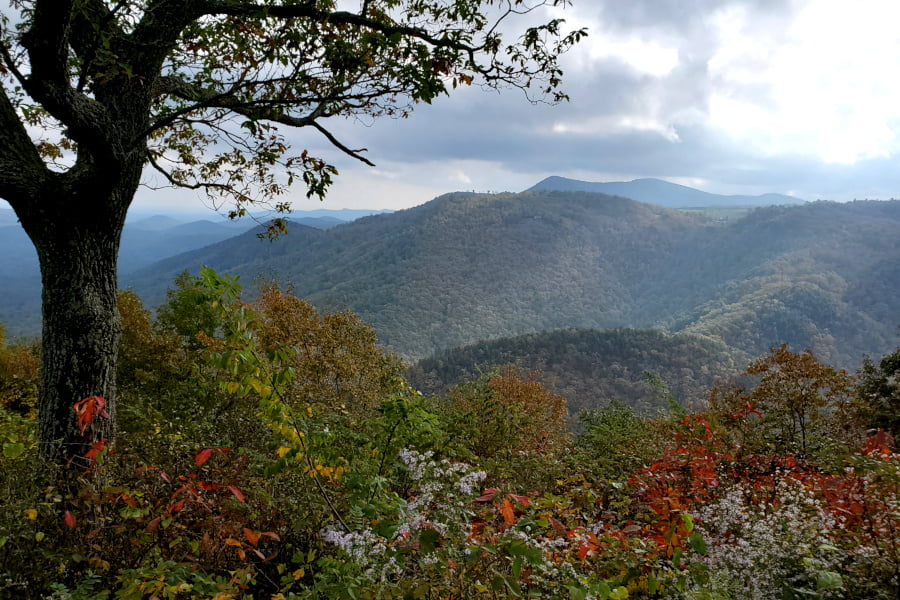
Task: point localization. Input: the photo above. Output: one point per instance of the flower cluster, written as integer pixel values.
(440, 502)
(762, 543)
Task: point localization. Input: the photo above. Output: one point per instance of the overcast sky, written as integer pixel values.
(799, 97)
(792, 96)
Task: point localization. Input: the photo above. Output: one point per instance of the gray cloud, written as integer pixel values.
(631, 114)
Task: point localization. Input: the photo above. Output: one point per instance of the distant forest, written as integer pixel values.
(466, 267)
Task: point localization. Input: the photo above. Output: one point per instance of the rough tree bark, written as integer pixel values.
(78, 249)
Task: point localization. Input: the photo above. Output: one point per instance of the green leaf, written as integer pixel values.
(577, 592)
(698, 544)
(688, 521)
(620, 593)
(428, 538)
(829, 580)
(13, 450)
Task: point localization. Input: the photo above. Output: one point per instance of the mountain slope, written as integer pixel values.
(467, 267)
(661, 193)
(590, 368)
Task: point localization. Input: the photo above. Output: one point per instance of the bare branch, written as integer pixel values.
(337, 144)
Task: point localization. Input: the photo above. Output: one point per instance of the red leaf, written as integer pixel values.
(557, 526)
(489, 494)
(582, 550)
(237, 493)
(879, 444)
(88, 409)
(251, 536)
(176, 507)
(69, 519)
(202, 456)
(177, 493)
(270, 534)
(165, 476)
(153, 525)
(95, 450)
(522, 499)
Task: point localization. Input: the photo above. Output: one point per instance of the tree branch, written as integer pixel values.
(309, 11)
(181, 184)
(47, 43)
(337, 144)
(22, 172)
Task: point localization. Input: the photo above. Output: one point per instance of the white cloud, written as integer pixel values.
(823, 86)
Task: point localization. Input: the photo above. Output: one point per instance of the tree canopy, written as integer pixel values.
(95, 92)
(201, 88)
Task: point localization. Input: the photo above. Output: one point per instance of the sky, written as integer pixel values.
(799, 97)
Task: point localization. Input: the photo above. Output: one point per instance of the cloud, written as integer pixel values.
(736, 96)
(748, 97)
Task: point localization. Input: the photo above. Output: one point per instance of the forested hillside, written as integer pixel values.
(590, 368)
(467, 267)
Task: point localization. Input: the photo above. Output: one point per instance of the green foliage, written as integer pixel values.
(615, 440)
(189, 312)
(248, 490)
(18, 375)
(590, 367)
(878, 391)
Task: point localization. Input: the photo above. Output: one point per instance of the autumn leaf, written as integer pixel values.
(521, 499)
(236, 493)
(88, 409)
(202, 456)
(251, 536)
(488, 496)
(69, 519)
(506, 509)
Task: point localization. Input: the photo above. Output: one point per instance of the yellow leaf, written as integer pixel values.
(282, 450)
(31, 514)
(298, 574)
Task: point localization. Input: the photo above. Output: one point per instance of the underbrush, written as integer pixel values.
(233, 480)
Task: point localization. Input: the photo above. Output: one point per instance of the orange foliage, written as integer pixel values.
(337, 362)
(543, 428)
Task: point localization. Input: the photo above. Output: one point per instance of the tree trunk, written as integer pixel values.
(78, 249)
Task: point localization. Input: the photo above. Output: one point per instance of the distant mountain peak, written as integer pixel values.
(661, 193)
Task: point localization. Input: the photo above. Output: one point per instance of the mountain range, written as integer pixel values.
(661, 193)
(467, 267)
